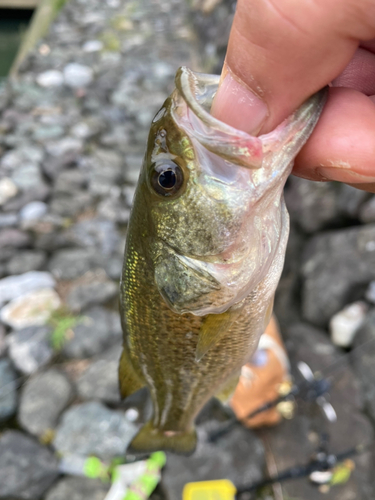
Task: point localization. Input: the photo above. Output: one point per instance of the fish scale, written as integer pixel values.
(204, 252)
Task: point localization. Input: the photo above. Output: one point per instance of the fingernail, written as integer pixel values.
(236, 105)
(343, 175)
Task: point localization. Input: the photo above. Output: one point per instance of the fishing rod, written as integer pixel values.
(312, 388)
(322, 461)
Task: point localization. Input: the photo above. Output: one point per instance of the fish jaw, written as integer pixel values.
(239, 178)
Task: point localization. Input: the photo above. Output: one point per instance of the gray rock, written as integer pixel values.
(69, 205)
(26, 261)
(99, 329)
(13, 238)
(29, 349)
(68, 181)
(16, 286)
(364, 360)
(65, 146)
(42, 400)
(78, 488)
(46, 133)
(71, 263)
(113, 267)
(100, 234)
(78, 75)
(114, 209)
(8, 390)
(33, 211)
(238, 456)
(106, 172)
(98, 292)
(100, 380)
(313, 205)
(27, 469)
(367, 211)
(93, 429)
(336, 265)
(27, 153)
(27, 176)
(39, 192)
(8, 220)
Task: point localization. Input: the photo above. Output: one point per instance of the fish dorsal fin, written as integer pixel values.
(212, 330)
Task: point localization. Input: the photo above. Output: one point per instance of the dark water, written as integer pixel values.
(13, 24)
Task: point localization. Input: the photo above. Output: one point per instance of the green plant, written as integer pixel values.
(62, 323)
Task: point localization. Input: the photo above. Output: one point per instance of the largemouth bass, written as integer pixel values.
(204, 253)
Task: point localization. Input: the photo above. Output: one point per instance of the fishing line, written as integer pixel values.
(322, 461)
(308, 390)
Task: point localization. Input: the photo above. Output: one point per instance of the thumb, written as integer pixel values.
(282, 51)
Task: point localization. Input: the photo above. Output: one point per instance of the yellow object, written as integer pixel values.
(221, 489)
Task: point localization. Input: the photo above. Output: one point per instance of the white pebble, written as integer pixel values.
(51, 78)
(8, 189)
(77, 75)
(32, 309)
(344, 325)
(33, 211)
(93, 46)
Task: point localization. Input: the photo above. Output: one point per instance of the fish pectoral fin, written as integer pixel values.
(213, 328)
(128, 380)
(151, 439)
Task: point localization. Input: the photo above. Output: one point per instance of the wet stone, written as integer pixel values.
(27, 469)
(100, 380)
(337, 268)
(8, 390)
(26, 261)
(98, 330)
(92, 429)
(68, 181)
(42, 400)
(78, 488)
(29, 349)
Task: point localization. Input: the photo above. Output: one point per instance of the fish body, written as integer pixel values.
(204, 253)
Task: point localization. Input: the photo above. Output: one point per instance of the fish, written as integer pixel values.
(204, 251)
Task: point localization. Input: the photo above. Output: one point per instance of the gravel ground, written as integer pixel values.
(73, 129)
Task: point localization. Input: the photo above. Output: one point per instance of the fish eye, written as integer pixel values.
(167, 178)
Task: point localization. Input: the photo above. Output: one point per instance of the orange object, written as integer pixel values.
(261, 380)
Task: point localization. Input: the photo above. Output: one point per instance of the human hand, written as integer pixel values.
(282, 51)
